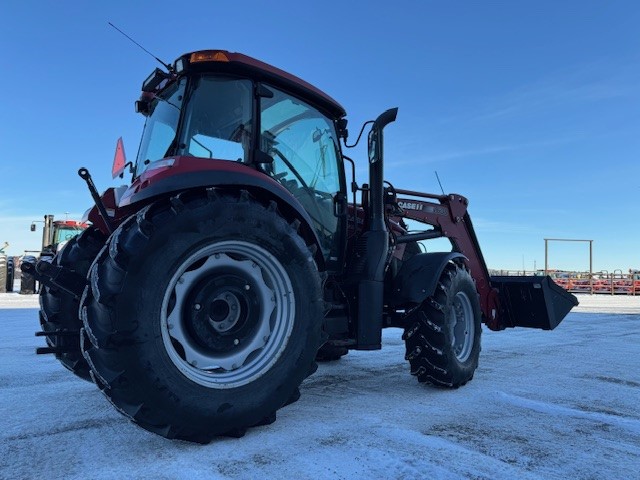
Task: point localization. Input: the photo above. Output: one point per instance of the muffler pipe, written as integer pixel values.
(376, 241)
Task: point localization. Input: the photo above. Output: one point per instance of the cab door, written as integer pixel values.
(304, 146)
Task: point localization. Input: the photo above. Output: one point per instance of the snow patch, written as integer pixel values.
(542, 405)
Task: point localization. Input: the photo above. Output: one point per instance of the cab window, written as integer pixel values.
(303, 145)
(217, 122)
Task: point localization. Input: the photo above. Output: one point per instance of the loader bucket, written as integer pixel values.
(533, 302)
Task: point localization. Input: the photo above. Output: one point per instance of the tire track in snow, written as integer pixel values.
(617, 381)
(70, 427)
(620, 421)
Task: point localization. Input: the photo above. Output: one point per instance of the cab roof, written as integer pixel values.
(223, 61)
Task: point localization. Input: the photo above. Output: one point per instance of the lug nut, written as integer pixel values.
(197, 306)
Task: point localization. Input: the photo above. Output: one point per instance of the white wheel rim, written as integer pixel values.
(204, 335)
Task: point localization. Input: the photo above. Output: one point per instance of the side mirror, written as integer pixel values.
(142, 106)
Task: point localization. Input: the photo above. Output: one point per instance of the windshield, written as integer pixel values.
(66, 233)
(216, 121)
(158, 138)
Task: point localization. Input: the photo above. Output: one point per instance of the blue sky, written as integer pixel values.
(531, 109)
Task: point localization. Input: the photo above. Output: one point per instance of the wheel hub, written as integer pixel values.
(463, 327)
(221, 309)
(228, 314)
(224, 312)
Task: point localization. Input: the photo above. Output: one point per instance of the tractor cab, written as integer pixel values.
(56, 233)
(65, 230)
(219, 106)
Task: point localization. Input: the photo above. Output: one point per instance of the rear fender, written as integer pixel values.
(418, 277)
(260, 186)
(110, 198)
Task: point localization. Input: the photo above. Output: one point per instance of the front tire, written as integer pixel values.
(443, 337)
(203, 315)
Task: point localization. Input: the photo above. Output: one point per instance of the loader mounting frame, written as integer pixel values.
(450, 219)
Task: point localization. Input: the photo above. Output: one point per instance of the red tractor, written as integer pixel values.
(205, 290)
(55, 235)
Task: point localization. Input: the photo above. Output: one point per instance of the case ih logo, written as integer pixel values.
(410, 205)
(421, 207)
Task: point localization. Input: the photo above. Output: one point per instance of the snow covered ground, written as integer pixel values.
(543, 405)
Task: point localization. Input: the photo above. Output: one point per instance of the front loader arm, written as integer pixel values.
(450, 219)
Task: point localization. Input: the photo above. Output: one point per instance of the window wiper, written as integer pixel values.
(292, 168)
(193, 139)
(310, 191)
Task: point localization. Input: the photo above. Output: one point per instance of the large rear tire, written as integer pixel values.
(203, 316)
(59, 310)
(28, 282)
(443, 337)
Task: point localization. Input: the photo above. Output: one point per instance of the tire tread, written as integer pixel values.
(109, 340)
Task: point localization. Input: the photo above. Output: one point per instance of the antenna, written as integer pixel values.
(440, 183)
(168, 67)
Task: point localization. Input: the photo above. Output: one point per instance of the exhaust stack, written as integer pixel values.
(47, 231)
(376, 243)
